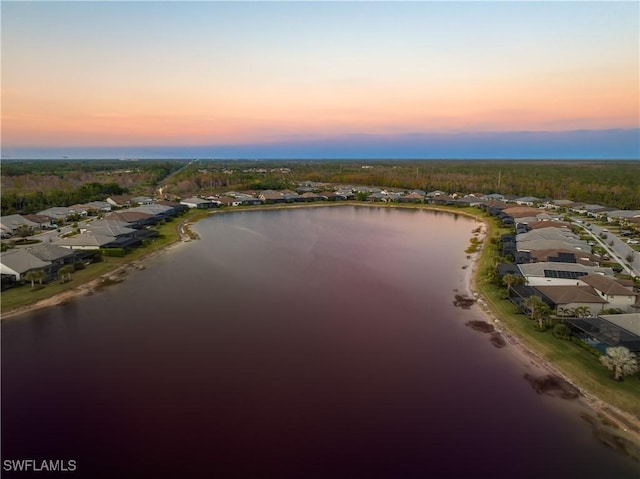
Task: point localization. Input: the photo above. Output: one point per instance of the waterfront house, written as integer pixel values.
(18, 262)
(552, 273)
(616, 295)
(199, 203)
(570, 297)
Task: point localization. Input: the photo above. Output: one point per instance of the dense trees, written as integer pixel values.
(611, 183)
(18, 202)
(30, 186)
(33, 185)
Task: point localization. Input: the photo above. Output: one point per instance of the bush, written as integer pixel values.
(562, 331)
(116, 252)
(79, 265)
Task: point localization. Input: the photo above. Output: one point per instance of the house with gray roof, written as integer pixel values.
(86, 241)
(18, 262)
(552, 273)
(53, 253)
(200, 203)
(12, 223)
(61, 213)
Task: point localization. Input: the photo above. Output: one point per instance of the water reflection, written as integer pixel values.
(306, 343)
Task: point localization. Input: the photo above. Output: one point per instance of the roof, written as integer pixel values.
(562, 202)
(538, 244)
(58, 211)
(108, 230)
(549, 224)
(21, 261)
(548, 233)
(153, 209)
(128, 216)
(628, 321)
(521, 211)
(552, 269)
(85, 239)
(12, 222)
(571, 294)
(560, 253)
(49, 252)
(607, 285)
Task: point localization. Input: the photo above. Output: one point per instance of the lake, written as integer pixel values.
(304, 343)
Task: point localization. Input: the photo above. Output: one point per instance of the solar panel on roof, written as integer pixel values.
(548, 273)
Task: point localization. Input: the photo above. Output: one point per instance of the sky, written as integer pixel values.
(321, 79)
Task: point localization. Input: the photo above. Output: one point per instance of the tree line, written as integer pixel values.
(25, 203)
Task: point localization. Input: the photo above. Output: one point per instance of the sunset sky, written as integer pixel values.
(321, 79)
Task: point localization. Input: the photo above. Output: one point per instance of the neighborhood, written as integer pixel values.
(552, 252)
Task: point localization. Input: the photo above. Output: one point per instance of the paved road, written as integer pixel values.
(618, 251)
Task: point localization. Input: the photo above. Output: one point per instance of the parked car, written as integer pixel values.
(633, 241)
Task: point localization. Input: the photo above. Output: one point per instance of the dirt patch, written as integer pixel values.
(553, 385)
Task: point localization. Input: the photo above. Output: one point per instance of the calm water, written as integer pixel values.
(290, 344)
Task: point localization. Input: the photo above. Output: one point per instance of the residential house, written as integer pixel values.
(88, 241)
(527, 200)
(141, 200)
(616, 295)
(552, 273)
(44, 222)
(132, 218)
(18, 262)
(310, 196)
(412, 197)
(199, 203)
(55, 255)
(61, 213)
(271, 196)
(11, 224)
(229, 201)
(570, 297)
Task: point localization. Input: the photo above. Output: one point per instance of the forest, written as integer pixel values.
(29, 186)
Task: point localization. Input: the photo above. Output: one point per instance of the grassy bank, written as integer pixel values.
(21, 296)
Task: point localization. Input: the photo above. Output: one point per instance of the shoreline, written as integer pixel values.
(611, 425)
(609, 420)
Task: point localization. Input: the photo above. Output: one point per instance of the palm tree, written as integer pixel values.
(40, 275)
(582, 311)
(566, 312)
(621, 361)
(66, 271)
(511, 280)
(538, 309)
(31, 276)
